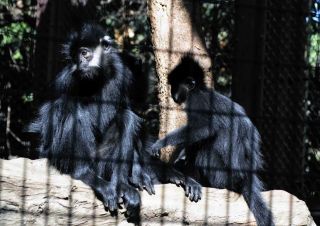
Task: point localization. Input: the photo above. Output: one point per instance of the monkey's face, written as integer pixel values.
(181, 89)
(92, 61)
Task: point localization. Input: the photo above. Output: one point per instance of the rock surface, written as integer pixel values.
(33, 194)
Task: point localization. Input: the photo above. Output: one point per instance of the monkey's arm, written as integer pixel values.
(182, 136)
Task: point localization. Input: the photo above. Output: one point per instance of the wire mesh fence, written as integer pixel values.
(266, 57)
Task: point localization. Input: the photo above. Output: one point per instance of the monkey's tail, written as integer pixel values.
(252, 196)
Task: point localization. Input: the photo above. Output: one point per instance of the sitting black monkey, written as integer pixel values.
(88, 129)
(222, 146)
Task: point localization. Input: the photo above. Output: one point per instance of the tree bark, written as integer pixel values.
(174, 31)
(32, 193)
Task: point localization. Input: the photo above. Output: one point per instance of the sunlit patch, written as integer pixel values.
(96, 59)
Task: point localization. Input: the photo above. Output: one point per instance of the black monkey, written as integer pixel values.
(222, 146)
(88, 130)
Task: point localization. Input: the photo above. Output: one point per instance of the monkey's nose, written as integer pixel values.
(88, 56)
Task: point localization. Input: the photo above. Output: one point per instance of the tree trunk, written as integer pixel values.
(33, 194)
(174, 33)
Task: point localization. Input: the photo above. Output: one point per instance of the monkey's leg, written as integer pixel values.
(129, 123)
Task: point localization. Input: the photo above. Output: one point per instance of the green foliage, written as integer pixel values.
(314, 49)
(127, 21)
(15, 52)
(13, 40)
(218, 29)
(6, 2)
(14, 33)
(16, 49)
(27, 97)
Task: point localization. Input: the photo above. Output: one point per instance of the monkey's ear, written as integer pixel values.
(106, 41)
(191, 83)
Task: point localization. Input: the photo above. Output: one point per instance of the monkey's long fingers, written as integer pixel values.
(120, 201)
(112, 205)
(195, 197)
(140, 187)
(191, 193)
(197, 194)
(178, 182)
(187, 191)
(152, 189)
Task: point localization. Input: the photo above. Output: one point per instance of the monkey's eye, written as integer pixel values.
(84, 52)
(191, 83)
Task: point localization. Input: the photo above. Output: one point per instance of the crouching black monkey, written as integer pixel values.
(222, 146)
(88, 130)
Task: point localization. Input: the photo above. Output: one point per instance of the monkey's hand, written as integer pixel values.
(156, 147)
(193, 189)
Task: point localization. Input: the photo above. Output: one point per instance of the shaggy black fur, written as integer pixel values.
(222, 146)
(89, 131)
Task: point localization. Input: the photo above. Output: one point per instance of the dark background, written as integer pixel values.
(266, 56)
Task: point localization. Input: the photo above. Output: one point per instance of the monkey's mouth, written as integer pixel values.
(89, 73)
(179, 99)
